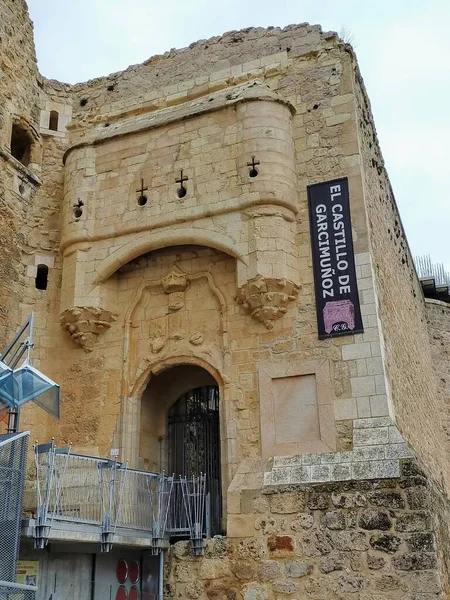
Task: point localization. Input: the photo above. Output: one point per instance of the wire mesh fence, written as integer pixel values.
(13, 452)
(13, 449)
(15, 591)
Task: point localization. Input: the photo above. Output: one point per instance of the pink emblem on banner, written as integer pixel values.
(339, 315)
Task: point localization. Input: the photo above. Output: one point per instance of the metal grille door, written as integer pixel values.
(194, 443)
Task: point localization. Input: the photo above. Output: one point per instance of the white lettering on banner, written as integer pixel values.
(335, 191)
(326, 270)
(335, 281)
(340, 242)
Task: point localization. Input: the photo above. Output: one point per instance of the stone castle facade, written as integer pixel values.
(156, 221)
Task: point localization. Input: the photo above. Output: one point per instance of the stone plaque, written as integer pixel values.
(297, 414)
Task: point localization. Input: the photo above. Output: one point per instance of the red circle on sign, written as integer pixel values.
(122, 571)
(122, 593)
(134, 572)
(134, 593)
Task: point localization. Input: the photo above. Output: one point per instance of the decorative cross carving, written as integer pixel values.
(253, 164)
(142, 189)
(182, 179)
(142, 200)
(77, 209)
(181, 190)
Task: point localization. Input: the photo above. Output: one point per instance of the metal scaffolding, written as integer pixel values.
(107, 498)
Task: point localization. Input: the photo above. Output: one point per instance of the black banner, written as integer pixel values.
(337, 302)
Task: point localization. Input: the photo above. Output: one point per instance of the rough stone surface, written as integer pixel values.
(171, 291)
(353, 545)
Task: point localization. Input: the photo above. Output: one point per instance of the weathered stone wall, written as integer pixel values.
(368, 540)
(401, 309)
(314, 77)
(18, 86)
(42, 238)
(438, 321)
(171, 78)
(415, 332)
(30, 197)
(221, 279)
(18, 97)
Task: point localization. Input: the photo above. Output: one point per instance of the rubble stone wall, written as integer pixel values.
(18, 93)
(369, 539)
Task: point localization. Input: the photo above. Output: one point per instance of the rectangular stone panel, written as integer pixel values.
(296, 408)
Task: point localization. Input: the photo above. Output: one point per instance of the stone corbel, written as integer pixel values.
(85, 323)
(266, 299)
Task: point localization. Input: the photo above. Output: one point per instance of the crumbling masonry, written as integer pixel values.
(156, 220)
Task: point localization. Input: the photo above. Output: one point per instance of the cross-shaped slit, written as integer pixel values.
(78, 209)
(142, 198)
(253, 170)
(181, 191)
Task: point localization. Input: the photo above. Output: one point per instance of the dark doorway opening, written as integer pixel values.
(53, 120)
(20, 144)
(41, 279)
(194, 443)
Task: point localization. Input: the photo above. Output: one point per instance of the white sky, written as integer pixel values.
(403, 48)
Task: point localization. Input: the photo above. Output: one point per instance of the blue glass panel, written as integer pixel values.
(49, 401)
(6, 385)
(29, 383)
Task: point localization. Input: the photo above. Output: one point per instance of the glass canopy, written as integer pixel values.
(27, 383)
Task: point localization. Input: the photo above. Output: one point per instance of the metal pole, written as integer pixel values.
(14, 413)
(161, 576)
(13, 421)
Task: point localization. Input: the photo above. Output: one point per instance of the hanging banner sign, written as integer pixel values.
(337, 302)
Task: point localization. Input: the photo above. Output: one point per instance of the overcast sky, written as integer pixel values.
(403, 47)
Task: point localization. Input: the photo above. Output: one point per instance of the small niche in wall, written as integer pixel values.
(41, 279)
(53, 121)
(21, 144)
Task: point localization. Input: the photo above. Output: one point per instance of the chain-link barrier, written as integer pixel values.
(17, 591)
(13, 454)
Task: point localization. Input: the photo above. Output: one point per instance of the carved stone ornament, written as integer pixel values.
(266, 299)
(85, 323)
(174, 281)
(174, 284)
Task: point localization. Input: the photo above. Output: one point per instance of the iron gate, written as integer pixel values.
(194, 443)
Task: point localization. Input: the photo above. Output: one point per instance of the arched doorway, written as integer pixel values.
(180, 429)
(194, 443)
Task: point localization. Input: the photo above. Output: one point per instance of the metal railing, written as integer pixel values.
(111, 499)
(17, 591)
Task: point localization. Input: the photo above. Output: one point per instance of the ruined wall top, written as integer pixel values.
(18, 66)
(227, 55)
